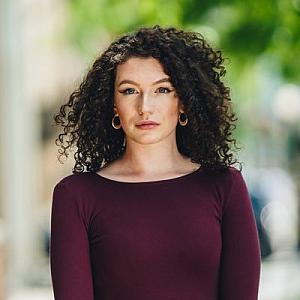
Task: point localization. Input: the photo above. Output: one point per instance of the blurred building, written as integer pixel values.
(37, 72)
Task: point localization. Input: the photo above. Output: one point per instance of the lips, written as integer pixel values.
(148, 122)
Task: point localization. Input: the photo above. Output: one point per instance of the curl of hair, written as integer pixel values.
(195, 70)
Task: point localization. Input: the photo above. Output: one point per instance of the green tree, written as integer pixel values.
(244, 30)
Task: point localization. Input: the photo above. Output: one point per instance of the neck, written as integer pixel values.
(156, 158)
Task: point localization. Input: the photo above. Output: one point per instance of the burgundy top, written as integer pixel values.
(192, 237)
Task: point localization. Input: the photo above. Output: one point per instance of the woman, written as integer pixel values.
(160, 212)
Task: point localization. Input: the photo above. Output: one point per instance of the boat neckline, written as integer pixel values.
(167, 180)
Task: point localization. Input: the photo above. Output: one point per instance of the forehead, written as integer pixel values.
(138, 68)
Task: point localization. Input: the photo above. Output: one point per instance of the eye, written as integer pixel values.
(164, 88)
(125, 91)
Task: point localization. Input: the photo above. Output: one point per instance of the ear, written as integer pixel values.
(181, 107)
(115, 109)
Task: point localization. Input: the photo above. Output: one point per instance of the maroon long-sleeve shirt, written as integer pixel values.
(192, 237)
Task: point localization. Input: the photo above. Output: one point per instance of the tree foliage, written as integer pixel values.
(243, 29)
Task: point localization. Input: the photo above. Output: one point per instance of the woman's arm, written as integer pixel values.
(69, 248)
(240, 258)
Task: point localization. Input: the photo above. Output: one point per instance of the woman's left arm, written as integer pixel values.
(240, 257)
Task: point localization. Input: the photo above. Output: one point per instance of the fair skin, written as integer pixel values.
(150, 154)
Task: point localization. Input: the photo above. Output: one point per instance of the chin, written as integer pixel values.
(149, 139)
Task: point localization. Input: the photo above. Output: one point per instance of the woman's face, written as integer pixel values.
(141, 85)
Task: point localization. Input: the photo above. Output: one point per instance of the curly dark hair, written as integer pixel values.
(195, 70)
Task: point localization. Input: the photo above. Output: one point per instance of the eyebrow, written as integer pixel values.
(166, 79)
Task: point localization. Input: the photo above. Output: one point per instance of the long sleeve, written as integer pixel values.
(240, 258)
(69, 248)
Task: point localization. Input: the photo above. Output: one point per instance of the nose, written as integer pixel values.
(145, 103)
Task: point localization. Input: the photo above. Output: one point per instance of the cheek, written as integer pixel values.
(127, 115)
(170, 116)
(123, 108)
(124, 111)
(171, 108)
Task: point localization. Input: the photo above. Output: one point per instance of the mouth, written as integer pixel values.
(146, 124)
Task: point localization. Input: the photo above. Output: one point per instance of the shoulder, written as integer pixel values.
(231, 178)
(234, 174)
(75, 190)
(235, 177)
(235, 190)
(223, 182)
(71, 199)
(226, 177)
(75, 182)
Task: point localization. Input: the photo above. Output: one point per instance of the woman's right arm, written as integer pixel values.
(69, 248)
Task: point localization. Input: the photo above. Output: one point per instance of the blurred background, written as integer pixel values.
(47, 47)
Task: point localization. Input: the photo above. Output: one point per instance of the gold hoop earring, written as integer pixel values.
(118, 126)
(185, 121)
